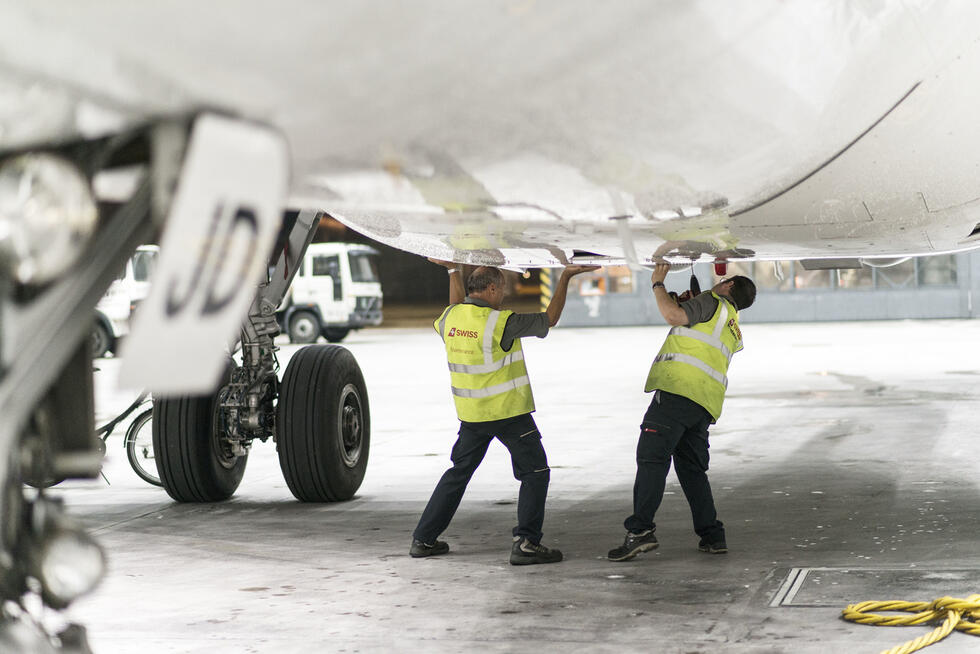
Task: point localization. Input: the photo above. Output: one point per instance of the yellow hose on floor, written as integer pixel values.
(956, 613)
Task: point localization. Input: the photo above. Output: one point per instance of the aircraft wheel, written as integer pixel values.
(336, 334)
(101, 341)
(304, 327)
(323, 425)
(193, 461)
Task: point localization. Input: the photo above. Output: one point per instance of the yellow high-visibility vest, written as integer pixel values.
(693, 361)
(487, 382)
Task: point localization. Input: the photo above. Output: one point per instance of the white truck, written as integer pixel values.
(335, 290)
(113, 311)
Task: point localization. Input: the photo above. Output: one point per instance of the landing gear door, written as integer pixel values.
(214, 252)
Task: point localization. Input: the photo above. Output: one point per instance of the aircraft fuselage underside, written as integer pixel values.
(522, 136)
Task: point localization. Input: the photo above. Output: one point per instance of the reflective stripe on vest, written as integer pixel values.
(693, 361)
(487, 367)
(713, 341)
(488, 337)
(492, 390)
(697, 363)
(487, 382)
(440, 323)
(722, 318)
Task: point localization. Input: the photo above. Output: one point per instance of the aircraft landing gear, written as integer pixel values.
(321, 423)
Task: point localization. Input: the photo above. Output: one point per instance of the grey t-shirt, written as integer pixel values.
(518, 325)
(701, 307)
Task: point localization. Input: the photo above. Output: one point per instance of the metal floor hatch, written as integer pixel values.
(833, 587)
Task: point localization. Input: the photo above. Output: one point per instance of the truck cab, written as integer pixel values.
(335, 290)
(113, 311)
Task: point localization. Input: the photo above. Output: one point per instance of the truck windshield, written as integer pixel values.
(324, 265)
(143, 263)
(363, 267)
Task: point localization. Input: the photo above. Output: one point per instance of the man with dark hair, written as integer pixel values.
(493, 399)
(742, 291)
(482, 277)
(689, 379)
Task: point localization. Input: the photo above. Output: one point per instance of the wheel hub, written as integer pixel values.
(351, 426)
(221, 445)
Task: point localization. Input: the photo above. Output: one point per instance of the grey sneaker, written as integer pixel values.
(524, 552)
(633, 545)
(718, 547)
(420, 549)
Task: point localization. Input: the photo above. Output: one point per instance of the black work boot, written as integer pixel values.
(633, 545)
(420, 549)
(524, 552)
(716, 547)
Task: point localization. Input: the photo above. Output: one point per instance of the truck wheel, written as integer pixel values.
(323, 424)
(194, 462)
(336, 334)
(101, 341)
(304, 327)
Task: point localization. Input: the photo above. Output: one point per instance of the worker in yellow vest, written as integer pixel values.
(688, 379)
(493, 399)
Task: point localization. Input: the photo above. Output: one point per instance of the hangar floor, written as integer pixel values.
(844, 467)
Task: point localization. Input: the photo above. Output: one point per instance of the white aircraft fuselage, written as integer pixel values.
(528, 134)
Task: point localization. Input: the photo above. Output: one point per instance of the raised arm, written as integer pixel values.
(456, 291)
(557, 303)
(669, 309)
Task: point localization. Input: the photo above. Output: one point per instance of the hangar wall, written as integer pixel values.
(942, 286)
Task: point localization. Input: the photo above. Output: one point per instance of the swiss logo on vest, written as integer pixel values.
(466, 333)
(736, 332)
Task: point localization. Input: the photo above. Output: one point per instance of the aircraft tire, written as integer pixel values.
(304, 327)
(194, 466)
(335, 334)
(323, 424)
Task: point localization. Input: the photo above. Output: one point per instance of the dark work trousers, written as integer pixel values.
(521, 437)
(674, 427)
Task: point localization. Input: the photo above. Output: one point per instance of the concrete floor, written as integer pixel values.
(845, 450)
